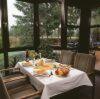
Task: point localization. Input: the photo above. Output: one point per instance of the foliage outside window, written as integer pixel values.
(49, 14)
(0, 39)
(47, 51)
(73, 37)
(14, 57)
(1, 60)
(73, 16)
(95, 17)
(72, 28)
(0, 30)
(21, 25)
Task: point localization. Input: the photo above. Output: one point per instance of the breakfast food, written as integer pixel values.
(41, 67)
(27, 63)
(62, 71)
(39, 71)
(64, 65)
(45, 67)
(40, 62)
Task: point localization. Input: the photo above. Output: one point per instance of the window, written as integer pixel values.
(72, 37)
(73, 24)
(73, 16)
(95, 17)
(16, 56)
(49, 14)
(20, 19)
(95, 29)
(21, 25)
(1, 60)
(95, 37)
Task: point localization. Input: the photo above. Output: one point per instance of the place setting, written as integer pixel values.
(44, 68)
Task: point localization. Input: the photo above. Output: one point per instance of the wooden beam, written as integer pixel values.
(95, 26)
(36, 25)
(20, 49)
(64, 8)
(5, 34)
(39, 1)
(84, 37)
(73, 26)
(77, 3)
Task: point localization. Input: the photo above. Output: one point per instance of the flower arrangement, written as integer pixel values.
(32, 54)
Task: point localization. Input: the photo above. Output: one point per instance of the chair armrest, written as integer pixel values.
(9, 69)
(14, 78)
(32, 94)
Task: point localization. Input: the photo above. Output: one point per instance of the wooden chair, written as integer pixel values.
(3, 90)
(67, 57)
(19, 88)
(11, 74)
(86, 63)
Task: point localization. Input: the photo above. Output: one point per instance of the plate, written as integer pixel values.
(25, 63)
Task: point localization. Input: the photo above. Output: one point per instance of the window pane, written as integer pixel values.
(72, 37)
(20, 19)
(1, 61)
(14, 57)
(95, 17)
(73, 16)
(95, 37)
(17, 56)
(50, 27)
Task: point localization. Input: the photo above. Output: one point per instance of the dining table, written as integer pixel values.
(52, 84)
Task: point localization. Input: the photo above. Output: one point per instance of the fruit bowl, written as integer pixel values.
(62, 71)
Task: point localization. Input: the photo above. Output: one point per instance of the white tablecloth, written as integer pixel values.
(55, 85)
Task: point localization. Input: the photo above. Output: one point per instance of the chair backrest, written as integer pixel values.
(4, 91)
(67, 57)
(84, 62)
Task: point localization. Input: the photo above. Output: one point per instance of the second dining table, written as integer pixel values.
(52, 85)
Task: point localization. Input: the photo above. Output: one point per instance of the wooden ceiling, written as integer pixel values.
(85, 3)
(77, 3)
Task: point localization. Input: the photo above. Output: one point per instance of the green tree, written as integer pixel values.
(49, 14)
(73, 17)
(24, 23)
(49, 17)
